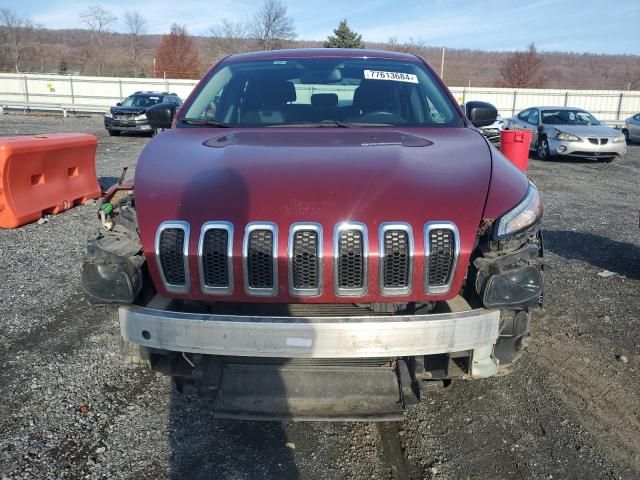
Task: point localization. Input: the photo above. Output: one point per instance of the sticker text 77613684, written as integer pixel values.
(395, 76)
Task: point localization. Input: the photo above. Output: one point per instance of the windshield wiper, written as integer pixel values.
(334, 124)
(210, 122)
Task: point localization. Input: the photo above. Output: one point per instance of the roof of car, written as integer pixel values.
(557, 108)
(152, 93)
(322, 53)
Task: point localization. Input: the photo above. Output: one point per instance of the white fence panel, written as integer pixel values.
(608, 105)
(96, 94)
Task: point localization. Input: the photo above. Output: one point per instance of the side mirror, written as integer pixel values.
(161, 115)
(119, 104)
(481, 114)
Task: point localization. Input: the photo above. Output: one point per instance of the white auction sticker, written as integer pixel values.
(299, 342)
(397, 76)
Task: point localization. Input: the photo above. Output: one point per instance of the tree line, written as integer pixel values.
(98, 50)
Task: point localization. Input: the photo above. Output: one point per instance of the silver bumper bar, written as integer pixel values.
(310, 337)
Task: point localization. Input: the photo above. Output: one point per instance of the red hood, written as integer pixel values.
(323, 175)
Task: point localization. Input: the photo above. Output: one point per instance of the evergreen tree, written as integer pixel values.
(63, 68)
(344, 38)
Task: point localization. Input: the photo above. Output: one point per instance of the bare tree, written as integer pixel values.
(228, 37)
(136, 27)
(523, 69)
(271, 26)
(98, 20)
(17, 32)
(410, 46)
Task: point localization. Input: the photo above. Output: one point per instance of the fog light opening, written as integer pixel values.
(146, 335)
(561, 148)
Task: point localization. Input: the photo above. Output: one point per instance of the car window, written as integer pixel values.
(637, 117)
(141, 101)
(524, 115)
(568, 117)
(534, 117)
(303, 91)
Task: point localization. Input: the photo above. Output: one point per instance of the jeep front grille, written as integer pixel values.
(350, 276)
(396, 258)
(351, 259)
(442, 247)
(305, 259)
(215, 258)
(172, 248)
(260, 259)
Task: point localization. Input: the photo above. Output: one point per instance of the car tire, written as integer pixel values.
(627, 139)
(113, 133)
(542, 149)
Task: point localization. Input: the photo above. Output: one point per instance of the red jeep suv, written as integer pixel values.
(319, 235)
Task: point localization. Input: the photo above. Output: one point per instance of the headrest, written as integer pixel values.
(324, 100)
(278, 93)
(373, 95)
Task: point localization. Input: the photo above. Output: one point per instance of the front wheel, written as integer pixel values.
(627, 139)
(113, 133)
(542, 149)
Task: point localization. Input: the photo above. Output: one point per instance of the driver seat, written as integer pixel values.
(375, 96)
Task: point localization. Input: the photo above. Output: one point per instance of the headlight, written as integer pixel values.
(522, 216)
(141, 117)
(567, 137)
(619, 139)
(108, 115)
(517, 288)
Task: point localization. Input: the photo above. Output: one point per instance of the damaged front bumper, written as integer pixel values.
(349, 368)
(311, 337)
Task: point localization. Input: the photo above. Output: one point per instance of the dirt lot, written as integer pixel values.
(70, 409)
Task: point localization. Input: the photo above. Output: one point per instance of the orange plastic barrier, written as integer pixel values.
(45, 174)
(514, 144)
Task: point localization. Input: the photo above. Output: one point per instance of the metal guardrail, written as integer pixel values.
(44, 107)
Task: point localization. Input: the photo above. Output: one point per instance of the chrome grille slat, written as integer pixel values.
(351, 258)
(305, 259)
(396, 258)
(442, 248)
(172, 250)
(260, 259)
(215, 258)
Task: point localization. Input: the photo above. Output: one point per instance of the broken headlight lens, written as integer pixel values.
(522, 216)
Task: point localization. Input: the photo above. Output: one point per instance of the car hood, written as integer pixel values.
(321, 175)
(128, 110)
(587, 130)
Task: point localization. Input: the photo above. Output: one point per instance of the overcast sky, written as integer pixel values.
(568, 25)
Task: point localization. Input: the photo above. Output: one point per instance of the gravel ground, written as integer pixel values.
(71, 409)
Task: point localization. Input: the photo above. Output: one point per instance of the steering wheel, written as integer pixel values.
(382, 116)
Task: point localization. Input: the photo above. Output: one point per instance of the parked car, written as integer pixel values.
(492, 132)
(568, 132)
(130, 114)
(631, 129)
(331, 236)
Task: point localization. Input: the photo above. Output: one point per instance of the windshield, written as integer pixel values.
(322, 92)
(568, 117)
(141, 101)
